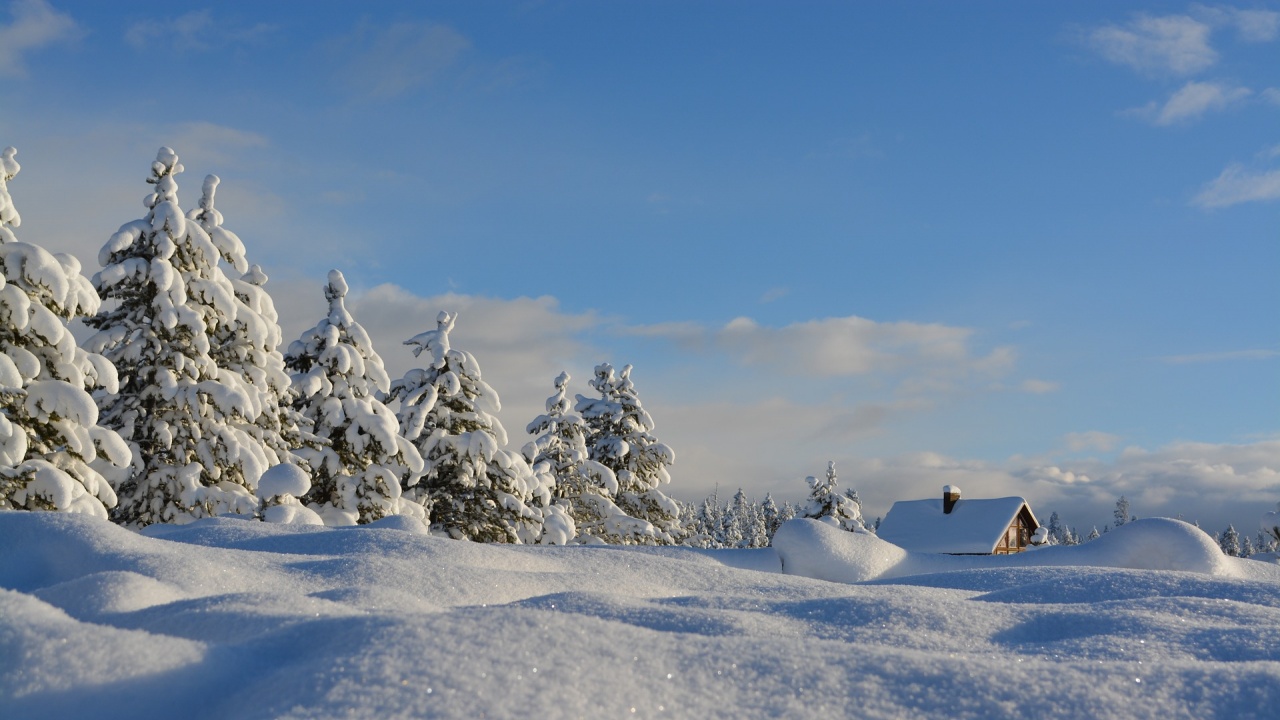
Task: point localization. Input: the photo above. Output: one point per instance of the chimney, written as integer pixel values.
(950, 496)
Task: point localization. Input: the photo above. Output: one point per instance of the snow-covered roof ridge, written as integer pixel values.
(974, 525)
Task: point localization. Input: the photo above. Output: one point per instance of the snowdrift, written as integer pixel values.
(818, 550)
(232, 618)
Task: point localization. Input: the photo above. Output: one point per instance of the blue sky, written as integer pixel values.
(1026, 248)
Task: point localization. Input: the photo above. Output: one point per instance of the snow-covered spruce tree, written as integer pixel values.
(1057, 531)
(476, 489)
(49, 431)
(1122, 511)
(1229, 541)
(852, 495)
(745, 523)
(1246, 547)
(582, 485)
(360, 473)
(176, 408)
(249, 345)
(705, 525)
(620, 438)
(828, 505)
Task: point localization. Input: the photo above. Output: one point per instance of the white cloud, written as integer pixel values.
(1175, 44)
(1213, 483)
(1271, 95)
(1255, 26)
(391, 61)
(1238, 184)
(1039, 387)
(842, 347)
(1192, 101)
(1091, 440)
(763, 445)
(35, 25)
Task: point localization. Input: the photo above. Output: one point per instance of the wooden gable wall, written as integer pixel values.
(1017, 536)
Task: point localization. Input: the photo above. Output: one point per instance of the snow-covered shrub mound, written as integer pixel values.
(283, 479)
(1152, 544)
(822, 551)
(812, 548)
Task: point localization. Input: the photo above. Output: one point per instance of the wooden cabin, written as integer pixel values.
(952, 526)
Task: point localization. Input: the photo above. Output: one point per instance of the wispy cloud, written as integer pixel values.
(1191, 102)
(1174, 44)
(1179, 44)
(1253, 26)
(213, 143)
(1239, 184)
(1091, 440)
(774, 294)
(195, 30)
(1271, 95)
(385, 62)
(35, 25)
(1221, 357)
(1040, 387)
(844, 347)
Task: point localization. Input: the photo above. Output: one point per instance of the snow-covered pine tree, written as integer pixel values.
(852, 495)
(733, 523)
(177, 409)
(477, 490)
(1057, 533)
(771, 512)
(1229, 541)
(359, 475)
(744, 523)
(249, 345)
(1093, 534)
(583, 485)
(706, 524)
(49, 431)
(621, 439)
(828, 505)
(1122, 511)
(1246, 547)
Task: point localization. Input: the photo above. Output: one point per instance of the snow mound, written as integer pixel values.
(291, 515)
(237, 618)
(283, 479)
(820, 551)
(401, 522)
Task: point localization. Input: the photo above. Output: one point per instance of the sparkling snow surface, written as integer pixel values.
(233, 618)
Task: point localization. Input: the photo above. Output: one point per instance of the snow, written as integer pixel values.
(972, 526)
(283, 479)
(235, 618)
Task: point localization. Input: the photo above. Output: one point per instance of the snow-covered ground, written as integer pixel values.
(231, 618)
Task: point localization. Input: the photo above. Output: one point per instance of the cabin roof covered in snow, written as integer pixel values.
(972, 526)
